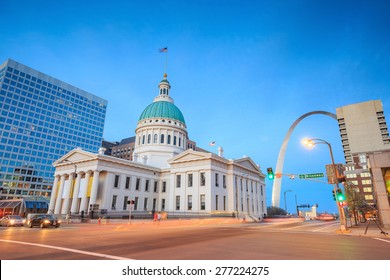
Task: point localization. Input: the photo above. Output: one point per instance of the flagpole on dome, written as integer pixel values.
(165, 50)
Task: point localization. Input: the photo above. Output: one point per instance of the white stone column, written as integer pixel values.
(84, 198)
(75, 194)
(66, 208)
(58, 205)
(54, 192)
(95, 184)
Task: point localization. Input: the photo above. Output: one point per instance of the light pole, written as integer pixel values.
(311, 143)
(285, 203)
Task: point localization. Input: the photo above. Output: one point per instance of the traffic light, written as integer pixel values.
(340, 196)
(334, 195)
(270, 172)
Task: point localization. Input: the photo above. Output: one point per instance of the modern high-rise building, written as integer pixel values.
(363, 128)
(42, 119)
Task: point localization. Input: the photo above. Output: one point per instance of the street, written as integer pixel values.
(208, 239)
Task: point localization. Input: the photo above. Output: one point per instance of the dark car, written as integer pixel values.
(12, 220)
(43, 220)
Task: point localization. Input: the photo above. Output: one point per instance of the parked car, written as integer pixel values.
(43, 220)
(12, 220)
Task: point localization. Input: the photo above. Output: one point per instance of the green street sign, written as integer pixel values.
(313, 175)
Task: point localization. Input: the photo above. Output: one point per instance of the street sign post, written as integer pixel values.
(310, 176)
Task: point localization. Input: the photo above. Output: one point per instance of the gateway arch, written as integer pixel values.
(279, 164)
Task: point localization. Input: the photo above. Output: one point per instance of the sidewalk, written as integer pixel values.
(372, 231)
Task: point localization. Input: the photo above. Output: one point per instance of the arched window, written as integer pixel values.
(162, 139)
(179, 142)
(174, 140)
(143, 139)
(149, 138)
(169, 139)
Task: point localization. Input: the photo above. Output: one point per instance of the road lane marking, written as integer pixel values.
(68, 249)
(325, 227)
(302, 225)
(382, 240)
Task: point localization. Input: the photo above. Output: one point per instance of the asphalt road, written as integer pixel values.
(190, 240)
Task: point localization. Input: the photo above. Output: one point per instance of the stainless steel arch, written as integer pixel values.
(279, 164)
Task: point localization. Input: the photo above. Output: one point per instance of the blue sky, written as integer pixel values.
(241, 71)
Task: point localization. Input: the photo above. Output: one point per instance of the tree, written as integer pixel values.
(274, 211)
(355, 200)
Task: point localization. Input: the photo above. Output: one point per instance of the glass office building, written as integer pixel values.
(41, 119)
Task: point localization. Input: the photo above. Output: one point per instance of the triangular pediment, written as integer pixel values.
(247, 162)
(189, 155)
(76, 155)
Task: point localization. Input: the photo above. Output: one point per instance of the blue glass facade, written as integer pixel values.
(41, 119)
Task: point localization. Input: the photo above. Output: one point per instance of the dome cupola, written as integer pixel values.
(161, 132)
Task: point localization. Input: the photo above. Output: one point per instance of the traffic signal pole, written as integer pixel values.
(343, 224)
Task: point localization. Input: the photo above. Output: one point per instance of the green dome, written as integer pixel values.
(162, 109)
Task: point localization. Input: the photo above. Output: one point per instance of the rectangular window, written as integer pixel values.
(368, 197)
(362, 158)
(189, 202)
(190, 180)
(202, 202)
(137, 184)
(202, 179)
(155, 186)
(216, 180)
(147, 185)
(224, 181)
(163, 204)
(164, 187)
(136, 203)
(178, 181)
(216, 202)
(178, 202)
(154, 203)
(113, 202)
(367, 190)
(146, 204)
(116, 182)
(127, 183)
(126, 198)
(224, 203)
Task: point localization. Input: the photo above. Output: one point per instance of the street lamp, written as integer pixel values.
(285, 204)
(310, 143)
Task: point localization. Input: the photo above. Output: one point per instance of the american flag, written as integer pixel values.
(164, 49)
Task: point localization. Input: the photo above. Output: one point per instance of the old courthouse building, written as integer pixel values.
(167, 173)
